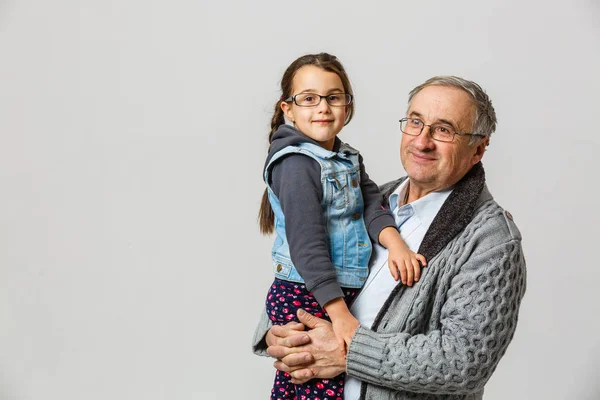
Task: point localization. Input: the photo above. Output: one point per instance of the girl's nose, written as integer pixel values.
(323, 105)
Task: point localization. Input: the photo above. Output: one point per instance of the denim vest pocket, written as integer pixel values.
(352, 277)
(337, 191)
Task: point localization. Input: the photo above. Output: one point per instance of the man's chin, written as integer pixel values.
(419, 173)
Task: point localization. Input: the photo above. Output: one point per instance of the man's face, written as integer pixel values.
(433, 165)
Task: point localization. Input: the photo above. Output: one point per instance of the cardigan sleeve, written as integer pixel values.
(259, 345)
(477, 321)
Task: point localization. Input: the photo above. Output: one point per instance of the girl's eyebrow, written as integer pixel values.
(329, 91)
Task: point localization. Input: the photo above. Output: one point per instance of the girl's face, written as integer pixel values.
(322, 122)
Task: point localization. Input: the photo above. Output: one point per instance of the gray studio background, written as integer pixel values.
(132, 137)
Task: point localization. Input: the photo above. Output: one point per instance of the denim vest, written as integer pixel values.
(342, 205)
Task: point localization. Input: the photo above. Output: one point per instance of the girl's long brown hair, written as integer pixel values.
(328, 62)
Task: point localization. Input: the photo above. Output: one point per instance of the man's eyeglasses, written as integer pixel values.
(439, 132)
(313, 99)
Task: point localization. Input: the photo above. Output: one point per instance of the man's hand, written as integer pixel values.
(289, 335)
(321, 357)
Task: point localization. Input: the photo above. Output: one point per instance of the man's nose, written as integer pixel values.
(424, 140)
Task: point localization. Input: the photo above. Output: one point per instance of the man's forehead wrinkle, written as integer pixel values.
(434, 114)
(436, 106)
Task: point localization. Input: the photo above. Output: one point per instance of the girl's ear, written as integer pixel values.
(287, 110)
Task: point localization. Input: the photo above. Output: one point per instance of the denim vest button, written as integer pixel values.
(356, 216)
(279, 268)
(354, 183)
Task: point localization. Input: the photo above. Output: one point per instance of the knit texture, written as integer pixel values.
(442, 338)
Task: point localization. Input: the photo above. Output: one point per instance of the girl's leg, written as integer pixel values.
(281, 310)
(283, 300)
(322, 389)
(333, 388)
(283, 389)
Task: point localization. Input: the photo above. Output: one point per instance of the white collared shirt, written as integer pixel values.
(415, 219)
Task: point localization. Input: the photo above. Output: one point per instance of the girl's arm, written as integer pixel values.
(403, 263)
(344, 323)
(297, 184)
(296, 181)
(377, 216)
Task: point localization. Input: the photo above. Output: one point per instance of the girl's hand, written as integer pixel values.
(404, 264)
(344, 323)
(344, 328)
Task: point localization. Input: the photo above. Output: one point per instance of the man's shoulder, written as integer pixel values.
(492, 219)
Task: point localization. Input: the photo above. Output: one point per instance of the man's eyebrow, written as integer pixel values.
(443, 121)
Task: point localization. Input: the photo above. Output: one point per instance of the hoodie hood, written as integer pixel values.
(287, 135)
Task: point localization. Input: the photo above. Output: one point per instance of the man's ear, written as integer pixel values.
(480, 149)
(287, 110)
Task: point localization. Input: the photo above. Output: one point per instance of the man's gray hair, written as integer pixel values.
(485, 115)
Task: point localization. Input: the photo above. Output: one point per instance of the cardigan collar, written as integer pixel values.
(456, 212)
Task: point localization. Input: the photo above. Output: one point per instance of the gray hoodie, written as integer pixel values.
(296, 181)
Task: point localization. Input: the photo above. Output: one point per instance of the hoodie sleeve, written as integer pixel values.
(377, 215)
(296, 181)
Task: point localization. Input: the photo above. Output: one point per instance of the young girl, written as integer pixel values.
(324, 210)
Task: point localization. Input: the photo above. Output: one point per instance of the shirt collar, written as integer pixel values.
(426, 208)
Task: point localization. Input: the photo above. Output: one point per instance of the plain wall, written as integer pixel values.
(132, 138)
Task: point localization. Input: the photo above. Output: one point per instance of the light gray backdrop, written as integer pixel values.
(132, 137)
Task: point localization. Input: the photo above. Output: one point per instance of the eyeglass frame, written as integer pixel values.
(293, 98)
(431, 130)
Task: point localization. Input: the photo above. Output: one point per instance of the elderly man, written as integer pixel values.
(443, 337)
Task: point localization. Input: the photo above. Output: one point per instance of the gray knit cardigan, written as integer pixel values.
(442, 338)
